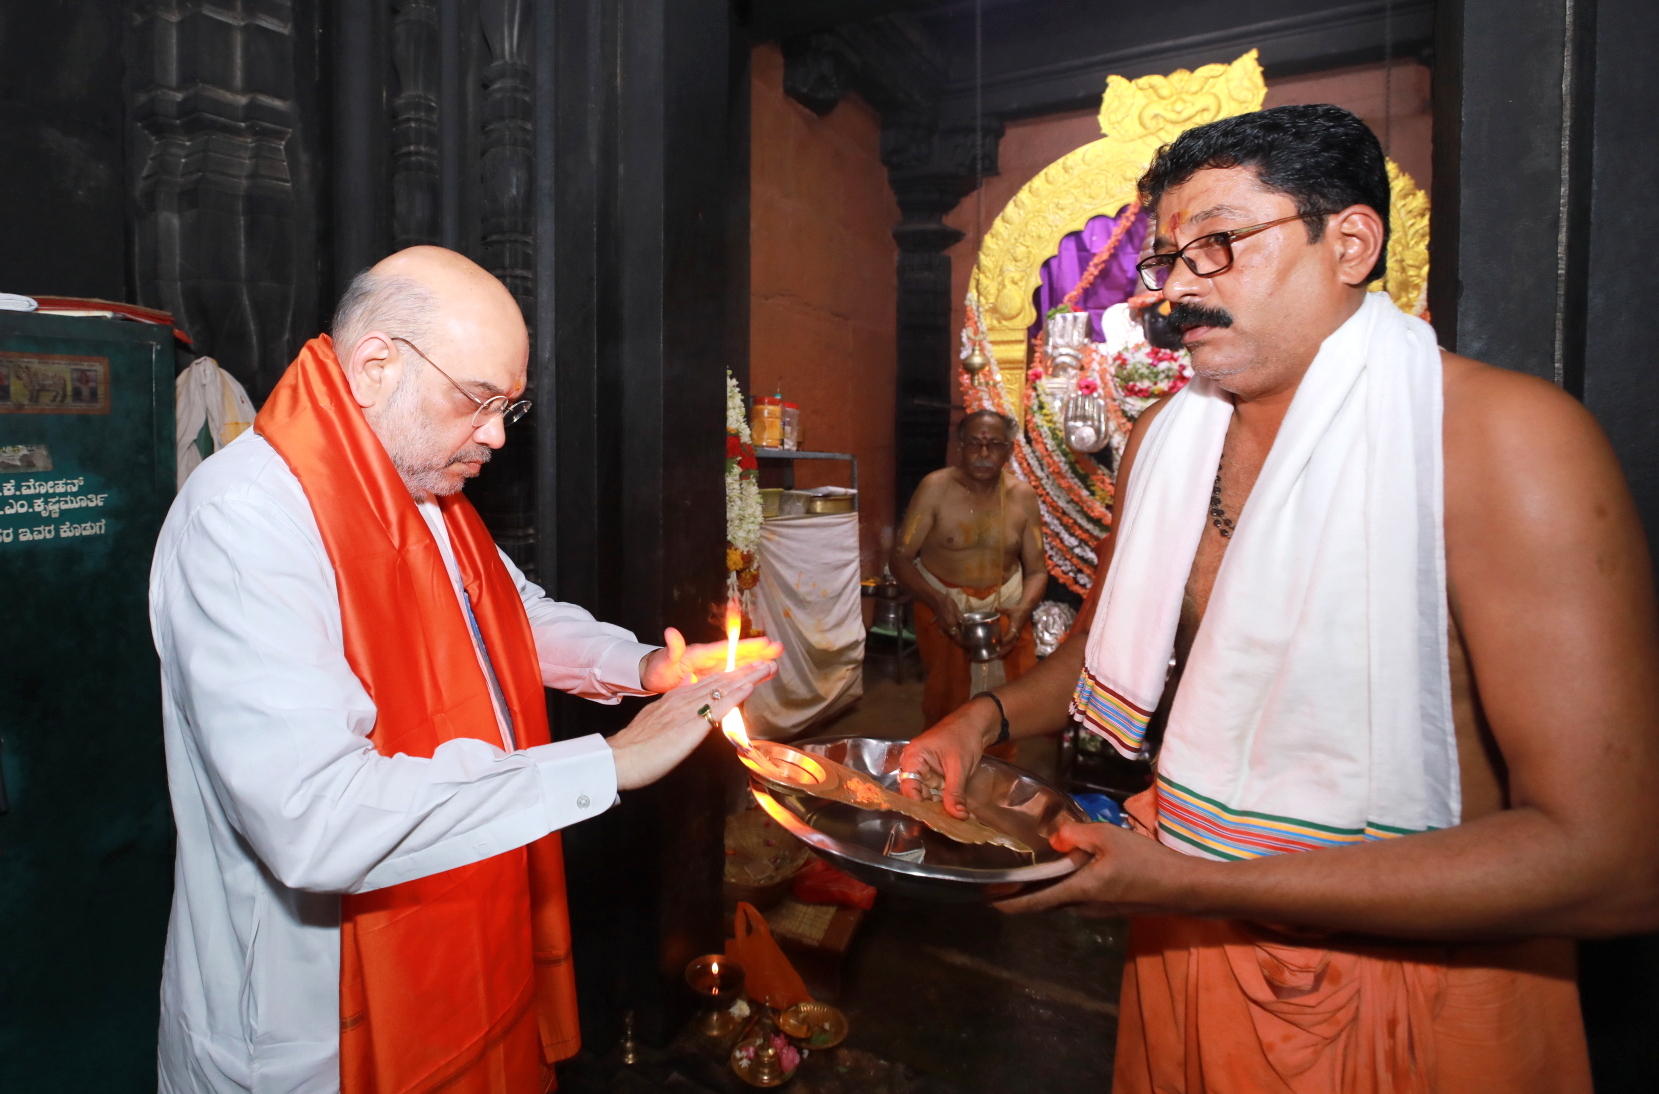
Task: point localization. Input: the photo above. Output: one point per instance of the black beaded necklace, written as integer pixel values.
(1218, 514)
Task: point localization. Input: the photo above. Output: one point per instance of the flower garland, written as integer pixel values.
(1145, 373)
(982, 391)
(1075, 493)
(743, 509)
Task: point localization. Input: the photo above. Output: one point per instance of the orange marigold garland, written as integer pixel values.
(1074, 492)
(1126, 220)
(981, 391)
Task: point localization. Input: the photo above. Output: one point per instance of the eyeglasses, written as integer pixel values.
(989, 446)
(1205, 256)
(508, 410)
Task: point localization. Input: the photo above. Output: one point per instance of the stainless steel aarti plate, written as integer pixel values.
(899, 855)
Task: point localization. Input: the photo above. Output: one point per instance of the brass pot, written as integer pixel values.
(820, 504)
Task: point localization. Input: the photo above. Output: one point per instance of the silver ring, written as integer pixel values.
(917, 775)
(715, 695)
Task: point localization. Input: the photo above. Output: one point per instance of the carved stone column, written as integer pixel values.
(508, 160)
(930, 172)
(415, 165)
(224, 234)
(506, 246)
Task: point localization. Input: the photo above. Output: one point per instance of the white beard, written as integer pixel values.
(409, 438)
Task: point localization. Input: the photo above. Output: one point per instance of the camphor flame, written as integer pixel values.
(732, 724)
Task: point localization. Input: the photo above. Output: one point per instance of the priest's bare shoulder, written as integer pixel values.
(1550, 586)
(948, 526)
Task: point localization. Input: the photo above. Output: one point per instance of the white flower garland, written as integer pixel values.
(743, 509)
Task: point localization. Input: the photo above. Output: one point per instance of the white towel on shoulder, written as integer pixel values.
(1315, 707)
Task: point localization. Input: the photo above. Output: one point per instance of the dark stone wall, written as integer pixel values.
(1542, 228)
(63, 224)
(168, 153)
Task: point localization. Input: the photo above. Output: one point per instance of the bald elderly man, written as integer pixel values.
(369, 889)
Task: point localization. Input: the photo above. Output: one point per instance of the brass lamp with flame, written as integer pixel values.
(716, 980)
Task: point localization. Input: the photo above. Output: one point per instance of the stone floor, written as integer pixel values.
(987, 1002)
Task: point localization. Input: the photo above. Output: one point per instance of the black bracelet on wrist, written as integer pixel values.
(1002, 733)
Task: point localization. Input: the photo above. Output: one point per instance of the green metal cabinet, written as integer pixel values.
(86, 842)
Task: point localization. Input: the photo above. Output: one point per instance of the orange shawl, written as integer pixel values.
(461, 980)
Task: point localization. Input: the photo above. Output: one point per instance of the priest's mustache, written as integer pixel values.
(1185, 316)
(1165, 330)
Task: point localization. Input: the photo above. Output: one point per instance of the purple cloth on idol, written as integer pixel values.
(1115, 284)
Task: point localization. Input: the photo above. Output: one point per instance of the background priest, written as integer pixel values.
(972, 541)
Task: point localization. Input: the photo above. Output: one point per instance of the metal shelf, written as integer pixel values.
(789, 455)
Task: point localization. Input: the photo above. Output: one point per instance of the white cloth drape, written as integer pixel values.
(1315, 706)
(808, 601)
(204, 392)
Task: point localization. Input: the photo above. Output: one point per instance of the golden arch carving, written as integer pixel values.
(1138, 117)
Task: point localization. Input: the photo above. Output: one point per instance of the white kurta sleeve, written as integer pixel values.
(579, 654)
(247, 622)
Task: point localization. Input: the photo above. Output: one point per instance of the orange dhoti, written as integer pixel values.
(949, 671)
(1220, 1007)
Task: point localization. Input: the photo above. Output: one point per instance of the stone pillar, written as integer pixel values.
(504, 244)
(415, 152)
(925, 341)
(225, 237)
(632, 223)
(932, 163)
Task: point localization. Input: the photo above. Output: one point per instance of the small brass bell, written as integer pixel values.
(976, 361)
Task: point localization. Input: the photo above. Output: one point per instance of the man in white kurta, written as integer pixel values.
(281, 801)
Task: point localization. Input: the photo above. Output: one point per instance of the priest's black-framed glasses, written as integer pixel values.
(487, 408)
(1205, 256)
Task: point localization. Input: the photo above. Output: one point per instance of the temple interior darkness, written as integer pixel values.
(791, 192)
